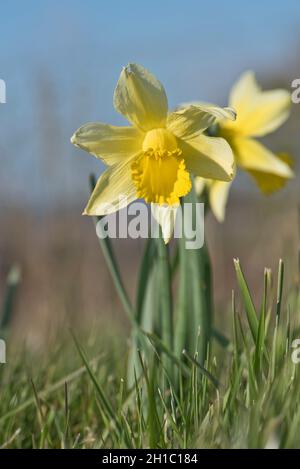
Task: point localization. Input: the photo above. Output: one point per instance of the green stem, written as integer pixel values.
(202, 287)
(203, 301)
(183, 301)
(165, 299)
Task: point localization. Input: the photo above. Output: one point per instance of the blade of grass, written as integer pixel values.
(247, 300)
(67, 416)
(153, 418)
(202, 370)
(279, 288)
(100, 392)
(221, 338)
(235, 324)
(260, 341)
(158, 344)
(45, 392)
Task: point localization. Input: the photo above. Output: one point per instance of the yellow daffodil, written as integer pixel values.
(258, 113)
(153, 158)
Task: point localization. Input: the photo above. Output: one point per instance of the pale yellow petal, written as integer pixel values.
(199, 184)
(192, 120)
(253, 156)
(269, 183)
(209, 157)
(114, 190)
(219, 113)
(165, 215)
(268, 111)
(218, 195)
(258, 112)
(141, 98)
(107, 142)
(243, 91)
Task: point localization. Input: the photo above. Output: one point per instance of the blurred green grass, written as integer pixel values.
(78, 396)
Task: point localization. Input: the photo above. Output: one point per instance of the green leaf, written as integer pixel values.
(196, 304)
(146, 306)
(144, 276)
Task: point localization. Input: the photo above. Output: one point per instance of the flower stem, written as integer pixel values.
(183, 301)
(165, 300)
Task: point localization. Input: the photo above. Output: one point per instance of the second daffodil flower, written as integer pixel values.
(258, 114)
(154, 158)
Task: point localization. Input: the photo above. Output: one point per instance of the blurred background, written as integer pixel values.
(60, 61)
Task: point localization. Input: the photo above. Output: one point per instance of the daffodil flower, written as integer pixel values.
(154, 158)
(258, 113)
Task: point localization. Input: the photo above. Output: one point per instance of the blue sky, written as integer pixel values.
(77, 48)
